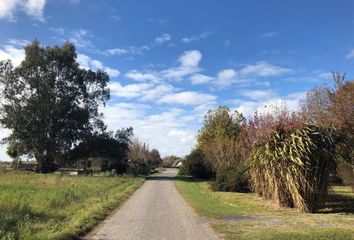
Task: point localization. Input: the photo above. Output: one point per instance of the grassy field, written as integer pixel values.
(245, 216)
(36, 206)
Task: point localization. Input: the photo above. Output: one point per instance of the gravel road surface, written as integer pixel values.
(155, 211)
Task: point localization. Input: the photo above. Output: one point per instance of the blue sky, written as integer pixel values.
(171, 61)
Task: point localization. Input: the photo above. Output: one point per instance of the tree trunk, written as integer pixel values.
(45, 164)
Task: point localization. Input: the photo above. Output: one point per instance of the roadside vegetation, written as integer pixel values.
(289, 158)
(50, 105)
(236, 215)
(67, 169)
(275, 174)
(49, 206)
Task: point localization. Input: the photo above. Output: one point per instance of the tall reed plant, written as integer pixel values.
(292, 167)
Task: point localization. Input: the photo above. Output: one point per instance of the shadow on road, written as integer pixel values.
(173, 178)
(160, 178)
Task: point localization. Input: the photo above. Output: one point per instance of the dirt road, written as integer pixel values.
(155, 211)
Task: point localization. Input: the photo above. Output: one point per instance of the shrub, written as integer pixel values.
(228, 164)
(345, 171)
(194, 165)
(234, 179)
(293, 167)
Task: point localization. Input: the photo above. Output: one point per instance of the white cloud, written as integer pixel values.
(116, 51)
(115, 18)
(137, 50)
(267, 100)
(315, 77)
(82, 38)
(257, 94)
(225, 78)
(140, 91)
(263, 83)
(157, 91)
(16, 55)
(18, 42)
(182, 135)
(189, 62)
(7, 7)
(350, 54)
(168, 131)
(33, 8)
(325, 75)
(263, 69)
(60, 31)
(200, 79)
(132, 50)
(89, 63)
(128, 91)
(162, 39)
(196, 38)
(270, 34)
(187, 98)
(139, 76)
(189, 68)
(190, 58)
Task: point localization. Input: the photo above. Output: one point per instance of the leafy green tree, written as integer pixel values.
(105, 144)
(220, 123)
(221, 128)
(49, 102)
(155, 157)
(219, 142)
(194, 165)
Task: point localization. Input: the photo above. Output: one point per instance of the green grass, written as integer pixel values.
(245, 216)
(37, 206)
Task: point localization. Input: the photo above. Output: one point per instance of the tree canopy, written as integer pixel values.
(220, 122)
(49, 102)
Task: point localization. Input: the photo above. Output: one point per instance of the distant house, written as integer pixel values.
(179, 164)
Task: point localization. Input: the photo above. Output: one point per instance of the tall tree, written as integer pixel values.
(139, 152)
(316, 106)
(220, 122)
(219, 137)
(333, 107)
(343, 120)
(155, 157)
(105, 144)
(49, 102)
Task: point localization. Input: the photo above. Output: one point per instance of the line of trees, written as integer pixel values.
(142, 159)
(288, 157)
(50, 104)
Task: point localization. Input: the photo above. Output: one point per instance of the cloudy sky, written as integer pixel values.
(171, 61)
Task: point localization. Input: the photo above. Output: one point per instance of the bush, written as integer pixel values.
(231, 179)
(345, 171)
(195, 165)
(228, 165)
(293, 167)
(136, 169)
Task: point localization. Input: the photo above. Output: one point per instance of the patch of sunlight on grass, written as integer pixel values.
(48, 206)
(245, 216)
